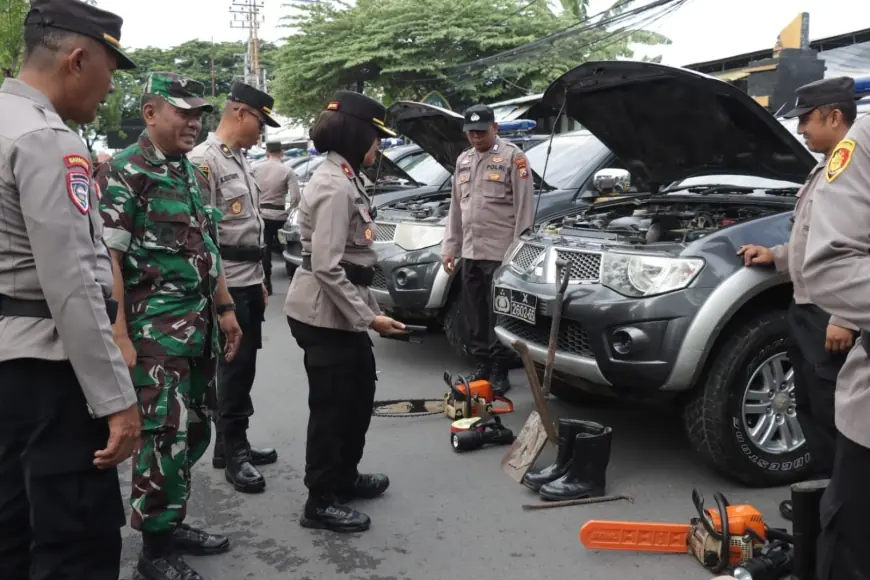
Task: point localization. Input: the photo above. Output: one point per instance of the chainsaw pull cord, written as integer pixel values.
(725, 540)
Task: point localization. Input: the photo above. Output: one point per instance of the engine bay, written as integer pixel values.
(432, 208)
(659, 222)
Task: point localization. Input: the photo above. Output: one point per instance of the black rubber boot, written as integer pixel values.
(482, 371)
(500, 382)
(325, 513)
(587, 474)
(158, 561)
(568, 431)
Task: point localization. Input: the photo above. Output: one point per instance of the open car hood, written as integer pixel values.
(668, 123)
(437, 131)
(385, 169)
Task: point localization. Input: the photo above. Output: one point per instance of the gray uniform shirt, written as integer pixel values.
(235, 192)
(335, 226)
(48, 208)
(491, 202)
(276, 181)
(789, 257)
(837, 268)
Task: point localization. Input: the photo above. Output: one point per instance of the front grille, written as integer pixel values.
(572, 338)
(526, 256)
(379, 282)
(585, 266)
(385, 232)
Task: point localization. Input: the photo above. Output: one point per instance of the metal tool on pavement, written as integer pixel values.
(564, 269)
(573, 502)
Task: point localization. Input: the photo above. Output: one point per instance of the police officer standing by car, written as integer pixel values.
(837, 275)
(234, 191)
(491, 205)
(818, 342)
(68, 412)
(277, 181)
(330, 310)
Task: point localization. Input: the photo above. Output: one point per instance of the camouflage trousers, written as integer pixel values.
(175, 397)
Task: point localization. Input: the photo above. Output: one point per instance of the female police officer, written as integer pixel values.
(330, 309)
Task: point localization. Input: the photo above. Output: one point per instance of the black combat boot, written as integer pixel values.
(481, 371)
(189, 540)
(499, 378)
(325, 513)
(158, 561)
(259, 456)
(366, 486)
(568, 430)
(587, 474)
(240, 470)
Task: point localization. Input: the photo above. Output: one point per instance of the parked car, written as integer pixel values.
(659, 303)
(410, 283)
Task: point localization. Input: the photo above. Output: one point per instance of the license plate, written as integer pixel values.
(520, 305)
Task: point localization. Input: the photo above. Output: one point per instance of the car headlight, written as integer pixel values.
(417, 237)
(639, 276)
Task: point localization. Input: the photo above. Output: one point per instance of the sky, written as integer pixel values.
(701, 30)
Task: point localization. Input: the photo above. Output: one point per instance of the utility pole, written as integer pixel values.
(247, 14)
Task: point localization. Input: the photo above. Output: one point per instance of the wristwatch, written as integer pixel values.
(224, 308)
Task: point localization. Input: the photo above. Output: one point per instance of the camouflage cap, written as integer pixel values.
(180, 91)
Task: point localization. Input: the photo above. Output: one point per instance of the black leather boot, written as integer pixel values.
(481, 371)
(587, 474)
(196, 542)
(325, 513)
(568, 430)
(158, 561)
(241, 473)
(366, 486)
(264, 456)
(499, 378)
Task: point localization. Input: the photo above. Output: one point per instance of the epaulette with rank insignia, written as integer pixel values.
(347, 170)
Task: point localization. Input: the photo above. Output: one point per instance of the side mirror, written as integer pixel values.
(609, 181)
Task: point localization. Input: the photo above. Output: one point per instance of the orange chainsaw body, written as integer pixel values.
(481, 392)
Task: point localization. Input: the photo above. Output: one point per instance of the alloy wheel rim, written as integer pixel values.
(769, 407)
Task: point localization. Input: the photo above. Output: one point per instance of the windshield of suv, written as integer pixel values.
(570, 155)
(425, 169)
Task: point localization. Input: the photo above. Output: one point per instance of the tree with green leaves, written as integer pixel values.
(401, 48)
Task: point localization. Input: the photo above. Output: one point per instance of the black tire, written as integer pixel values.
(713, 414)
(453, 328)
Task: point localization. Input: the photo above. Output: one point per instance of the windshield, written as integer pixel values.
(425, 169)
(568, 159)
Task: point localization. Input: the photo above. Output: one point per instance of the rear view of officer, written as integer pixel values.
(491, 206)
(68, 412)
(837, 275)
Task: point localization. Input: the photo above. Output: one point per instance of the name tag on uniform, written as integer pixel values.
(226, 178)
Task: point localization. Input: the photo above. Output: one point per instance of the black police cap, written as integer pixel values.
(478, 118)
(81, 18)
(256, 99)
(362, 107)
(821, 93)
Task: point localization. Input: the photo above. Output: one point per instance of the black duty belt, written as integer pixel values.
(39, 308)
(356, 274)
(243, 253)
(272, 206)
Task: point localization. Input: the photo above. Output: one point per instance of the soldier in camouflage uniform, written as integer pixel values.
(170, 286)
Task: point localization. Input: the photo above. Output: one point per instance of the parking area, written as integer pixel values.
(446, 515)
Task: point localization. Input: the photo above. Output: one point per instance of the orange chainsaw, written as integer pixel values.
(718, 538)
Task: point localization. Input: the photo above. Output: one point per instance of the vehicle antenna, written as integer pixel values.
(547, 159)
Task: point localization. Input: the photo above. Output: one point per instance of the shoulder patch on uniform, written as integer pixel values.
(73, 161)
(520, 161)
(347, 170)
(206, 170)
(78, 187)
(226, 150)
(840, 159)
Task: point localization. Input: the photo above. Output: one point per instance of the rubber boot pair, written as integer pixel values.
(581, 463)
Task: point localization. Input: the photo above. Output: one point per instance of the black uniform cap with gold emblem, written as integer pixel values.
(478, 118)
(362, 107)
(81, 18)
(820, 93)
(256, 99)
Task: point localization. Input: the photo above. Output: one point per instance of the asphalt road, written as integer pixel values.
(445, 515)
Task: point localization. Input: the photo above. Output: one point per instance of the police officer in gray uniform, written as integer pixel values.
(330, 309)
(234, 191)
(491, 206)
(277, 182)
(65, 390)
(818, 342)
(837, 274)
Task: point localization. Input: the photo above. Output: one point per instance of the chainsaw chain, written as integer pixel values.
(412, 403)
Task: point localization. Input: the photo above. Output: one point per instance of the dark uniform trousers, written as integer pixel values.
(341, 391)
(272, 245)
(60, 517)
(815, 375)
(235, 379)
(476, 276)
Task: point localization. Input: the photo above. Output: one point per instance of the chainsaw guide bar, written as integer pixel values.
(408, 408)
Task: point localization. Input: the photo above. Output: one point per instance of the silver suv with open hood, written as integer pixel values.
(659, 302)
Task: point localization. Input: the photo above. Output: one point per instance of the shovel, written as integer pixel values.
(539, 427)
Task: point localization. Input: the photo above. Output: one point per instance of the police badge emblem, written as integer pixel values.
(78, 186)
